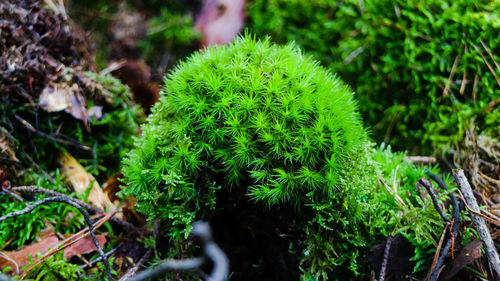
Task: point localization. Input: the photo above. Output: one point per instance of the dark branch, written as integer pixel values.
(92, 262)
(36, 189)
(454, 231)
(425, 183)
(8, 192)
(454, 200)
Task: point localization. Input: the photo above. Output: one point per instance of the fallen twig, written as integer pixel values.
(425, 183)
(210, 250)
(88, 220)
(438, 250)
(440, 182)
(67, 141)
(10, 193)
(92, 262)
(36, 189)
(386, 258)
(421, 159)
(438, 266)
(481, 227)
(131, 272)
(442, 256)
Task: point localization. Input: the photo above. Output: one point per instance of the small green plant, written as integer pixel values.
(56, 268)
(25, 228)
(268, 122)
(424, 70)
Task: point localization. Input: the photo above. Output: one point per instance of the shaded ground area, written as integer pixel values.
(256, 239)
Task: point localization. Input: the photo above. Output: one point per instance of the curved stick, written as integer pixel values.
(210, 251)
(36, 189)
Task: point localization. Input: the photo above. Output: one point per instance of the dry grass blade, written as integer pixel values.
(474, 88)
(488, 64)
(490, 54)
(421, 159)
(392, 192)
(464, 83)
(450, 78)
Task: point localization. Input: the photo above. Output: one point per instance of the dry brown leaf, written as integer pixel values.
(220, 21)
(84, 246)
(61, 96)
(18, 259)
(47, 240)
(55, 98)
(80, 180)
(6, 145)
(466, 256)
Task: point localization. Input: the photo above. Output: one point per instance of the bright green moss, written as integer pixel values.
(267, 121)
(251, 115)
(398, 56)
(341, 229)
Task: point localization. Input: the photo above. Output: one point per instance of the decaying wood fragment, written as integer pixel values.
(481, 227)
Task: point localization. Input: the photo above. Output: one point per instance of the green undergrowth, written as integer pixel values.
(425, 71)
(57, 268)
(98, 144)
(23, 229)
(33, 160)
(170, 37)
(268, 121)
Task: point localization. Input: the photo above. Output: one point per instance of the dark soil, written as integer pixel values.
(256, 238)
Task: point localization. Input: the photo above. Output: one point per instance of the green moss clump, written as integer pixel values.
(266, 121)
(251, 115)
(399, 57)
